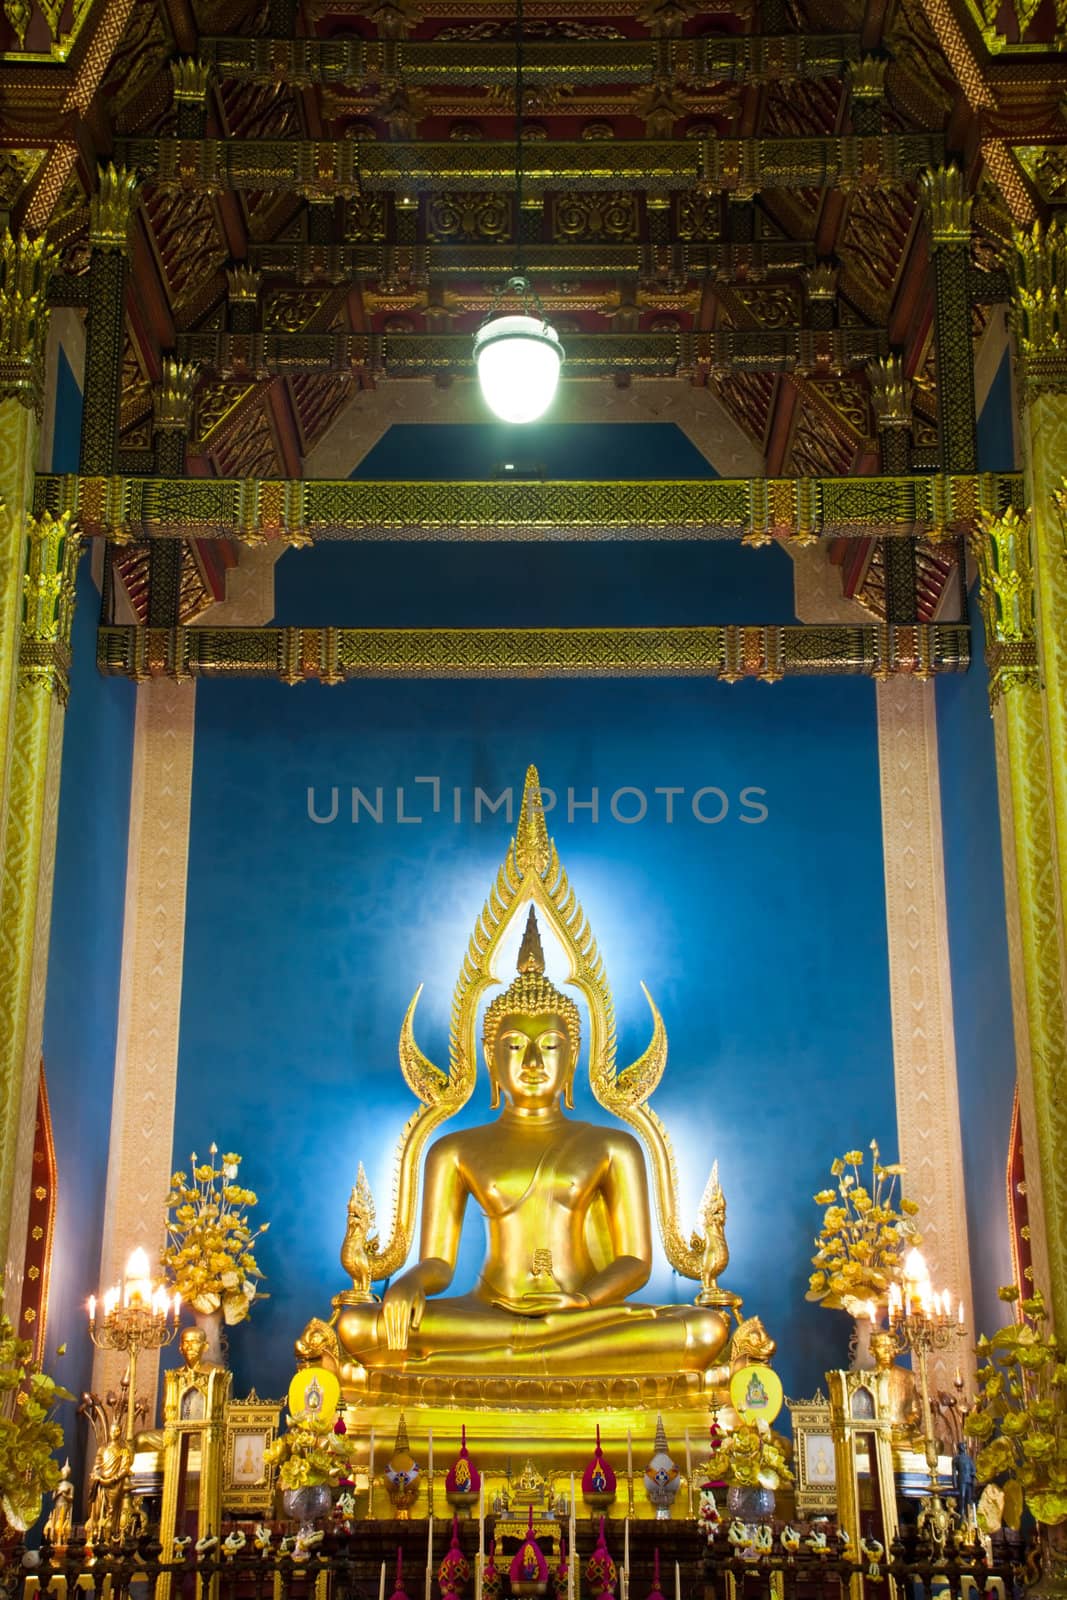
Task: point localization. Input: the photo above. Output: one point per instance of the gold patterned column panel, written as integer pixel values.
(29, 841)
(1039, 312)
(146, 1057)
(1002, 548)
(24, 269)
(1017, 973)
(920, 987)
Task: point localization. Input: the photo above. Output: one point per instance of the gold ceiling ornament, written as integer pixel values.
(890, 392)
(111, 207)
(866, 78)
(173, 396)
(948, 205)
(25, 267)
(820, 281)
(1001, 548)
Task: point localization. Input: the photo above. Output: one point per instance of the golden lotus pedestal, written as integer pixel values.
(528, 1435)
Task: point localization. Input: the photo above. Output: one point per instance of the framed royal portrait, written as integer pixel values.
(247, 1476)
(814, 1462)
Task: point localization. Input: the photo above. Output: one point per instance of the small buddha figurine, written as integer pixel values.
(549, 1187)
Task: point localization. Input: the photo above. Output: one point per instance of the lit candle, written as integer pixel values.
(137, 1288)
(429, 1552)
(429, 1475)
(961, 1319)
(626, 1546)
(481, 1523)
(92, 1308)
(381, 1583)
(177, 1305)
(677, 1581)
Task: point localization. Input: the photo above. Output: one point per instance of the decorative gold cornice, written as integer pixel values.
(111, 207)
(242, 285)
(52, 551)
(172, 399)
(1001, 548)
(25, 265)
(947, 205)
(191, 78)
(336, 655)
(890, 392)
(322, 168)
(866, 78)
(1038, 265)
(297, 511)
(355, 62)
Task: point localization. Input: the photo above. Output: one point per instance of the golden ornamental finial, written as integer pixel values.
(242, 284)
(890, 392)
(1001, 547)
(531, 952)
(52, 552)
(820, 281)
(25, 266)
(532, 849)
(1038, 266)
(191, 78)
(173, 397)
(866, 77)
(111, 207)
(948, 205)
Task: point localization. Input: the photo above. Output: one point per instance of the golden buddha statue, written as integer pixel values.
(569, 1228)
(552, 1322)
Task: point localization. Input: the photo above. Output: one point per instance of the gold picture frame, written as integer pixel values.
(814, 1463)
(248, 1479)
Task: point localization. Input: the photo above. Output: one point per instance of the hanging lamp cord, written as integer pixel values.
(518, 136)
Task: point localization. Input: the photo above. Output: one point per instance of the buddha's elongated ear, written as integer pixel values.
(568, 1089)
(494, 1086)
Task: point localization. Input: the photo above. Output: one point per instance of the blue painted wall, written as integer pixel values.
(763, 943)
(974, 882)
(81, 1004)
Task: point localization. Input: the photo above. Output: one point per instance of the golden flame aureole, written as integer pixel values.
(532, 876)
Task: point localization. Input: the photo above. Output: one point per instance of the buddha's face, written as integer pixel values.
(532, 1060)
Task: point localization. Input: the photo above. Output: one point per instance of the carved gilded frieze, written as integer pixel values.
(471, 218)
(335, 655)
(589, 218)
(303, 509)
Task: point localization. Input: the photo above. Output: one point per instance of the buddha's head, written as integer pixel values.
(531, 1034)
(883, 1348)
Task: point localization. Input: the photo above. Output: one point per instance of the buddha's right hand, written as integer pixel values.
(402, 1309)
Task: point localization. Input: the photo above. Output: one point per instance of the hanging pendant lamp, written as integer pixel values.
(517, 355)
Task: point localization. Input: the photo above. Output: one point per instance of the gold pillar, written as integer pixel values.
(1003, 549)
(24, 269)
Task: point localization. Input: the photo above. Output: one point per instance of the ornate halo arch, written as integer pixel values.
(532, 874)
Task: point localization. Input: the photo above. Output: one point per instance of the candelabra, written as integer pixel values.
(136, 1317)
(920, 1322)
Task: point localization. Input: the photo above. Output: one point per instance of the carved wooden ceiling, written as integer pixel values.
(774, 291)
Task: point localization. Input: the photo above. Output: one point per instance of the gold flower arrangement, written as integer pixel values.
(28, 1430)
(753, 1456)
(865, 1233)
(1020, 1417)
(209, 1238)
(309, 1452)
